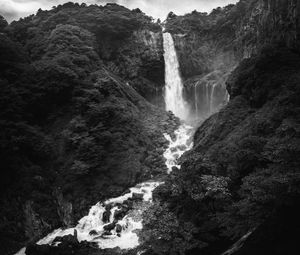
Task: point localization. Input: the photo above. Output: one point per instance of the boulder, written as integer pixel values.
(118, 228)
(119, 214)
(106, 216)
(128, 203)
(93, 233)
(137, 196)
(70, 239)
(109, 227)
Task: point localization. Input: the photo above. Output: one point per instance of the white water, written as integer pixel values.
(210, 94)
(177, 147)
(174, 87)
(93, 221)
(132, 222)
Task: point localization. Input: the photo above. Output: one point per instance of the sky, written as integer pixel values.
(15, 9)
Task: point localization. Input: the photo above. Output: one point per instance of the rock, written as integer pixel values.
(69, 239)
(137, 196)
(129, 204)
(107, 233)
(109, 227)
(118, 228)
(173, 149)
(108, 207)
(93, 233)
(182, 147)
(120, 214)
(106, 216)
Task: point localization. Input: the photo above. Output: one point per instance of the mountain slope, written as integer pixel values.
(73, 128)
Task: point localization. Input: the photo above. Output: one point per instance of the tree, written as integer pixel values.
(3, 23)
(171, 15)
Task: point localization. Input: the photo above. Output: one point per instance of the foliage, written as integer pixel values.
(71, 131)
(3, 23)
(165, 234)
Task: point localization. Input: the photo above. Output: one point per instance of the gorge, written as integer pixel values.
(122, 135)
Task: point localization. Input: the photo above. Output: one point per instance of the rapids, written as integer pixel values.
(91, 228)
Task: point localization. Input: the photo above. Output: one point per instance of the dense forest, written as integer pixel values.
(73, 131)
(82, 119)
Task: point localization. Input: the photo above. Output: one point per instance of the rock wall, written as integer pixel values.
(219, 41)
(139, 61)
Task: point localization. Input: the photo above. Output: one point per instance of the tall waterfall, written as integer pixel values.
(173, 84)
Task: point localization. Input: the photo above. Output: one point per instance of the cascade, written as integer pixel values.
(174, 99)
(211, 106)
(208, 94)
(119, 228)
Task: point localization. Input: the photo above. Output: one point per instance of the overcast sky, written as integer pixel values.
(14, 9)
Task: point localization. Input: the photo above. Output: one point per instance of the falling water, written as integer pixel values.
(196, 98)
(208, 94)
(115, 231)
(174, 87)
(211, 106)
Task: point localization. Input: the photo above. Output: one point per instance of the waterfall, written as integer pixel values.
(196, 98)
(173, 84)
(207, 94)
(211, 106)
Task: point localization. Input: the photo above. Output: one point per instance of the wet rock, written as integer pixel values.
(182, 147)
(137, 196)
(120, 214)
(93, 233)
(108, 207)
(173, 149)
(109, 227)
(106, 216)
(118, 228)
(128, 203)
(106, 233)
(69, 239)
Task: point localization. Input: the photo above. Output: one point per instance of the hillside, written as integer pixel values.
(74, 129)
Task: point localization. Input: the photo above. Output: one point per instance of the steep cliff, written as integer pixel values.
(218, 41)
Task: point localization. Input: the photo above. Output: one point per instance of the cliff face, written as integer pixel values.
(269, 22)
(73, 128)
(144, 67)
(139, 61)
(219, 41)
